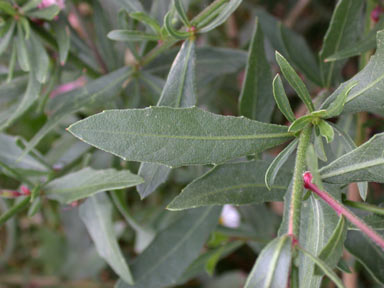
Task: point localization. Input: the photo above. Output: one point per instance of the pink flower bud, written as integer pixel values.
(68, 87)
(375, 14)
(307, 177)
(46, 3)
(25, 190)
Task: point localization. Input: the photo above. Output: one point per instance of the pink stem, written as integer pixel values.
(341, 210)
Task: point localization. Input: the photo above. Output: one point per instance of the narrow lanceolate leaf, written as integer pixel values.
(173, 249)
(47, 13)
(87, 182)
(181, 12)
(226, 11)
(256, 99)
(341, 33)
(337, 106)
(272, 266)
(94, 93)
(366, 95)
(282, 99)
(295, 81)
(146, 19)
(39, 60)
(131, 5)
(278, 162)
(235, 183)
(131, 35)
(30, 96)
(177, 137)
(300, 124)
(332, 252)
(4, 41)
(365, 163)
(326, 130)
(62, 37)
(366, 252)
(324, 267)
(96, 213)
(179, 91)
(21, 49)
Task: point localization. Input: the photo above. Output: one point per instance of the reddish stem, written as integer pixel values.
(341, 210)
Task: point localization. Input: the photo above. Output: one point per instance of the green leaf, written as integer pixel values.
(94, 93)
(9, 153)
(22, 54)
(131, 35)
(173, 249)
(181, 12)
(332, 252)
(256, 100)
(29, 5)
(281, 99)
(365, 163)
(278, 162)
(341, 33)
(7, 8)
(168, 21)
(337, 106)
(87, 182)
(235, 183)
(226, 11)
(324, 267)
(146, 19)
(326, 130)
(300, 123)
(39, 59)
(295, 81)
(30, 96)
(47, 13)
(62, 37)
(96, 213)
(312, 166)
(272, 265)
(4, 41)
(319, 147)
(366, 95)
(177, 137)
(131, 5)
(291, 45)
(179, 91)
(367, 252)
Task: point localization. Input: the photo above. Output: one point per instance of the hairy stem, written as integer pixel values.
(297, 188)
(341, 210)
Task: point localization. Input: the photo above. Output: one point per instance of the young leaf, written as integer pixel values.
(295, 81)
(272, 266)
(87, 182)
(336, 107)
(300, 124)
(47, 13)
(96, 213)
(29, 5)
(179, 91)
(332, 252)
(187, 136)
(278, 162)
(282, 99)
(173, 249)
(62, 37)
(146, 19)
(131, 5)
(22, 54)
(94, 93)
(326, 130)
(341, 33)
(231, 184)
(324, 267)
(181, 12)
(365, 163)
(168, 19)
(39, 60)
(366, 95)
(226, 11)
(256, 100)
(319, 147)
(131, 35)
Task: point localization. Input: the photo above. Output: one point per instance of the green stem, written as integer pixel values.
(18, 207)
(297, 188)
(365, 207)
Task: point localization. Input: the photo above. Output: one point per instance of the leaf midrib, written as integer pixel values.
(353, 168)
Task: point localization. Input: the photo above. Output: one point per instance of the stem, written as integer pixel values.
(14, 210)
(341, 210)
(364, 206)
(297, 188)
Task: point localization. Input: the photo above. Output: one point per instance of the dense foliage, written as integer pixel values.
(127, 125)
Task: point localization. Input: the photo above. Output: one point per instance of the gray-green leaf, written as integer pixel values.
(282, 99)
(87, 182)
(96, 213)
(365, 163)
(173, 249)
(177, 136)
(235, 183)
(131, 35)
(272, 266)
(256, 99)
